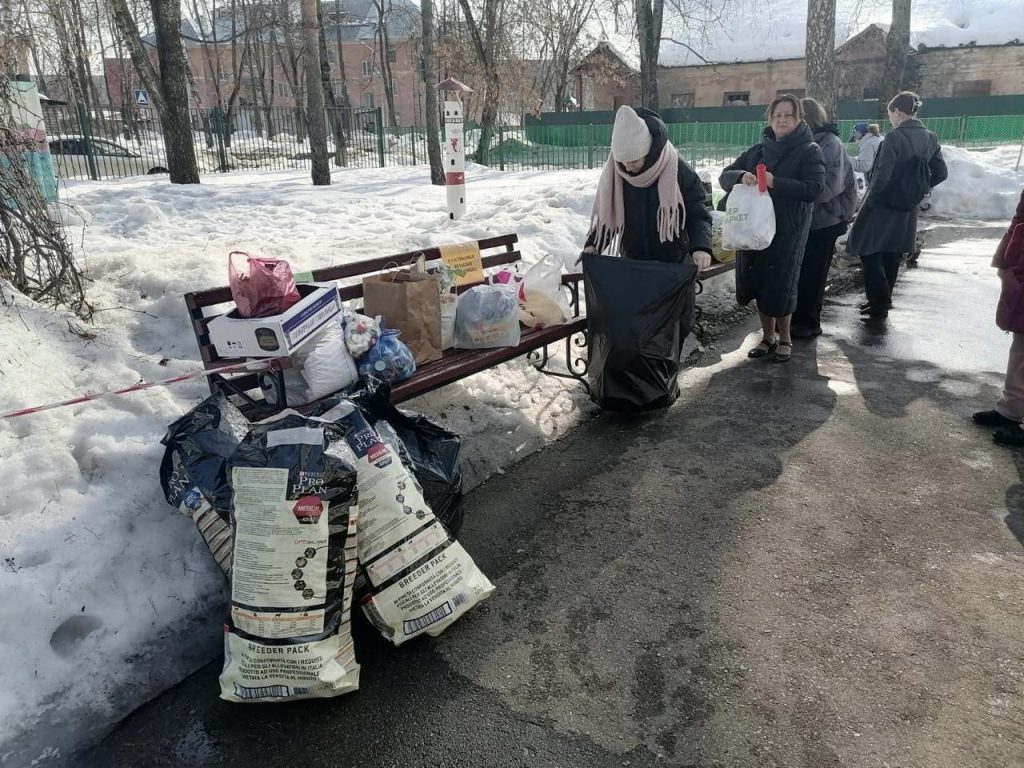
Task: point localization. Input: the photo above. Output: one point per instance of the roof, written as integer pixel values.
(630, 61)
(781, 29)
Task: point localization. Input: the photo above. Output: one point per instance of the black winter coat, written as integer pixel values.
(771, 276)
(879, 228)
(640, 230)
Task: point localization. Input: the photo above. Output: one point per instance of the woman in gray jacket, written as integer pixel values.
(868, 137)
(908, 165)
(833, 212)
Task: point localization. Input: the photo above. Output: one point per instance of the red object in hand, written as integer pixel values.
(762, 177)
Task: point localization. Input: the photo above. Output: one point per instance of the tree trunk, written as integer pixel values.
(820, 53)
(314, 95)
(346, 103)
(332, 104)
(430, 82)
(132, 40)
(177, 129)
(385, 63)
(648, 30)
(897, 43)
(485, 43)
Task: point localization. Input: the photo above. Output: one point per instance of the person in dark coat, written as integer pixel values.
(833, 212)
(882, 234)
(650, 204)
(1008, 415)
(796, 177)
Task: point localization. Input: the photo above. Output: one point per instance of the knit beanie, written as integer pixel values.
(631, 139)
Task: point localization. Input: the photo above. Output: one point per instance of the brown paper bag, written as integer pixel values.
(411, 303)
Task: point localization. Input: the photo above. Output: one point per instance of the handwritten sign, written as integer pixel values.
(463, 260)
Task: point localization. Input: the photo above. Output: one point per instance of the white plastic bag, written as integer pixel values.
(749, 220)
(327, 365)
(487, 316)
(449, 309)
(542, 302)
(361, 333)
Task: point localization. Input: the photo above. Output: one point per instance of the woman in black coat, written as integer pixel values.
(886, 227)
(796, 177)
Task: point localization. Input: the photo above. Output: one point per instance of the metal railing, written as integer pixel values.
(114, 144)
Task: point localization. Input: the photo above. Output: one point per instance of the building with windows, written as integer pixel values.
(259, 52)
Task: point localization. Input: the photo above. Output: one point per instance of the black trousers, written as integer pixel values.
(880, 273)
(821, 245)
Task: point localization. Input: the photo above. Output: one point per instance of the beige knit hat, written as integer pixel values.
(631, 139)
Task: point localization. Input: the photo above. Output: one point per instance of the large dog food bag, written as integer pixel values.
(294, 515)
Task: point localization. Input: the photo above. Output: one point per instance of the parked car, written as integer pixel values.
(112, 160)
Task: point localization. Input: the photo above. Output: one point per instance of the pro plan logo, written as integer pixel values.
(308, 509)
(379, 453)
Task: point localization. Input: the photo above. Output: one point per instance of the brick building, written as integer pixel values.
(962, 70)
(274, 75)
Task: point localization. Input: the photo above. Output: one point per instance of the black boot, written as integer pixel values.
(1009, 436)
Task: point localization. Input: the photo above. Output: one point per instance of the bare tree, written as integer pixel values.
(485, 36)
(430, 81)
(314, 94)
(168, 89)
(650, 16)
(333, 113)
(820, 52)
(897, 44)
(35, 255)
(384, 12)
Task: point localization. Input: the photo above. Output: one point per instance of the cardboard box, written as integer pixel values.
(276, 335)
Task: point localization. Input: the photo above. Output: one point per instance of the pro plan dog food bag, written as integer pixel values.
(419, 579)
(294, 515)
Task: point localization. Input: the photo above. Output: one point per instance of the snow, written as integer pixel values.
(110, 594)
(981, 184)
(781, 28)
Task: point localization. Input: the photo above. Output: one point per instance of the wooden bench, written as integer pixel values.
(456, 364)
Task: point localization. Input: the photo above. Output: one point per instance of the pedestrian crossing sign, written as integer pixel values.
(142, 98)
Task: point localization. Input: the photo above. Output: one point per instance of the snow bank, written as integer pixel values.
(981, 185)
(109, 594)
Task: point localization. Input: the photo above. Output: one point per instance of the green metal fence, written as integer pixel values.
(115, 144)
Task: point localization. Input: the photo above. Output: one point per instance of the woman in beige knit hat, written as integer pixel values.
(649, 203)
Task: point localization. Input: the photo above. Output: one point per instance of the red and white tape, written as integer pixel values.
(249, 365)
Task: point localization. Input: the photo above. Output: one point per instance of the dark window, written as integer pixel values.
(736, 99)
(798, 92)
(682, 100)
(110, 150)
(67, 147)
(392, 54)
(872, 93)
(972, 88)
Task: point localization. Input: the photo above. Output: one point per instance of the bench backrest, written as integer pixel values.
(495, 251)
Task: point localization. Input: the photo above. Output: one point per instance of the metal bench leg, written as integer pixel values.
(698, 313)
(576, 362)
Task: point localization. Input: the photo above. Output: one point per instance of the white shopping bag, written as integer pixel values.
(749, 220)
(542, 302)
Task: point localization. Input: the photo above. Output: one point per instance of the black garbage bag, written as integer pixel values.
(427, 448)
(193, 473)
(638, 315)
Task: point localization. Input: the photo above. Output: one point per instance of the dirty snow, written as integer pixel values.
(110, 595)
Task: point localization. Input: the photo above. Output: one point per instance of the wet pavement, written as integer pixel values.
(815, 564)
